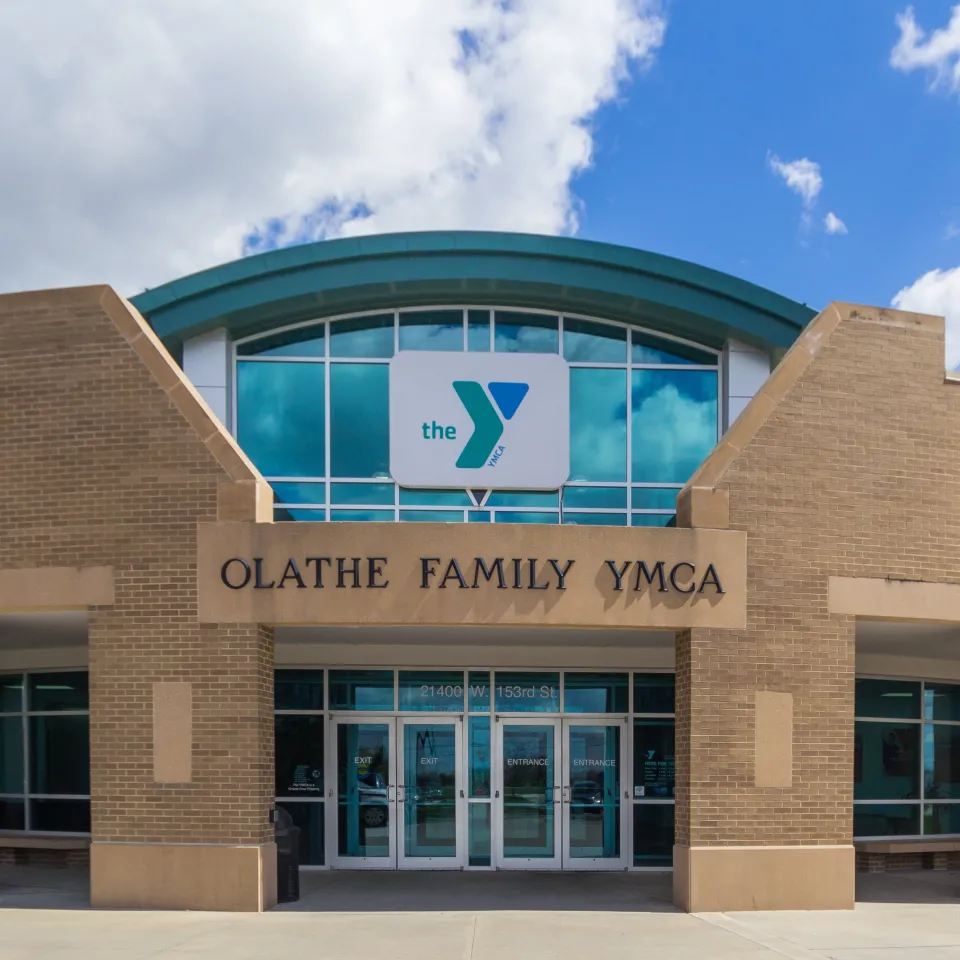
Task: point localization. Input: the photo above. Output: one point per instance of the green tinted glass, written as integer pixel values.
(598, 424)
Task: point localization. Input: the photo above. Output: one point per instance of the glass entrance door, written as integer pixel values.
(431, 794)
(593, 757)
(365, 751)
(527, 793)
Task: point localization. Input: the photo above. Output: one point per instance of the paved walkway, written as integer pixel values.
(423, 916)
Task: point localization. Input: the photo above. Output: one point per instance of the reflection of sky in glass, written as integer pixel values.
(574, 497)
(280, 417)
(526, 333)
(359, 420)
(299, 492)
(306, 342)
(432, 330)
(674, 423)
(597, 342)
(363, 337)
(478, 330)
(375, 493)
(598, 424)
(595, 519)
(647, 349)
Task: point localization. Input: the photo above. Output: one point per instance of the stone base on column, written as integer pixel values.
(157, 876)
(714, 879)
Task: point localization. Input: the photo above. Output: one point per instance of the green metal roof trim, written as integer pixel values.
(406, 269)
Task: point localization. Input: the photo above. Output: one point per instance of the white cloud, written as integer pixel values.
(937, 292)
(952, 232)
(833, 224)
(147, 140)
(938, 52)
(801, 176)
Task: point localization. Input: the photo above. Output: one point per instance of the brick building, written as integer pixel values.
(476, 552)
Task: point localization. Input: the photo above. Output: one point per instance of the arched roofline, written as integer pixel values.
(331, 277)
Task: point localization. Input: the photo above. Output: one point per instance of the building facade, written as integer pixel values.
(476, 552)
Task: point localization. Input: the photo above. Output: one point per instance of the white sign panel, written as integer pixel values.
(483, 420)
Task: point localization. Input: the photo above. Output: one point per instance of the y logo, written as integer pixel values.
(487, 425)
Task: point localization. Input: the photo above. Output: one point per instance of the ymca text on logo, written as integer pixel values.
(482, 447)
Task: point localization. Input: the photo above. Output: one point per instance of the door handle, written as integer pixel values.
(390, 787)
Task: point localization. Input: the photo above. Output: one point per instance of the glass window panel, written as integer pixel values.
(59, 691)
(653, 834)
(614, 497)
(526, 517)
(887, 698)
(362, 516)
(526, 692)
(526, 333)
(596, 693)
(309, 818)
(479, 516)
(939, 818)
(359, 420)
(886, 761)
(12, 814)
(648, 349)
(593, 342)
(431, 516)
(431, 690)
(478, 330)
(506, 498)
(653, 759)
(598, 424)
(886, 820)
(361, 690)
(364, 810)
(941, 701)
(654, 498)
(363, 337)
(11, 693)
(479, 838)
(434, 498)
(941, 762)
(299, 493)
(60, 754)
(298, 689)
(280, 417)
(305, 342)
(298, 748)
(479, 757)
(376, 493)
(652, 520)
(60, 816)
(596, 519)
(479, 684)
(11, 755)
(653, 693)
(674, 423)
(431, 330)
(284, 515)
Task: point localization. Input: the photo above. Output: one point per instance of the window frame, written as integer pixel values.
(323, 512)
(24, 714)
(921, 721)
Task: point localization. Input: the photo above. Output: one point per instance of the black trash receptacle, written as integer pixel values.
(288, 858)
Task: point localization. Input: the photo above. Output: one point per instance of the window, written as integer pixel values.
(906, 758)
(312, 413)
(45, 752)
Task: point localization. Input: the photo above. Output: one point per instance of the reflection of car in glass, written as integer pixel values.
(372, 791)
(586, 792)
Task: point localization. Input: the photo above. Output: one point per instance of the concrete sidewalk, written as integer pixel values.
(43, 916)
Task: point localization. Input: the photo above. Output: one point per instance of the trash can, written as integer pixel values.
(288, 858)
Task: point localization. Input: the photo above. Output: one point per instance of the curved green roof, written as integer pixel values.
(405, 269)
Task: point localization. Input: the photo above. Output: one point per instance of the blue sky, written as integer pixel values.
(681, 158)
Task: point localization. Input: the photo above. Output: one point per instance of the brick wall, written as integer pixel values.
(110, 458)
(847, 465)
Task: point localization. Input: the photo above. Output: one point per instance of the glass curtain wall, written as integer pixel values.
(906, 758)
(45, 752)
(304, 697)
(312, 413)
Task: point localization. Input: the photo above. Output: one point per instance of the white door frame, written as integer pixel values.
(338, 861)
(523, 863)
(457, 862)
(595, 863)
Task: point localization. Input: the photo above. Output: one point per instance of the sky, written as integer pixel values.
(810, 148)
